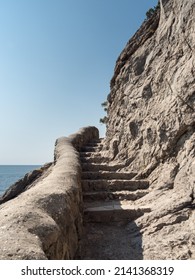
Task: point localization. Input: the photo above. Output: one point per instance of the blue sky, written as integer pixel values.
(57, 58)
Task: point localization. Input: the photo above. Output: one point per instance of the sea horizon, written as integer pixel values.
(21, 164)
(11, 173)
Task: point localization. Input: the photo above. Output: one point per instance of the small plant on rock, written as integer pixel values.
(152, 11)
(104, 120)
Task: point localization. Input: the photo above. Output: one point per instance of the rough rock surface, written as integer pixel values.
(151, 128)
(108, 201)
(150, 133)
(44, 219)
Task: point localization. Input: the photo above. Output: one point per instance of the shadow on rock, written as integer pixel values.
(135, 241)
(112, 242)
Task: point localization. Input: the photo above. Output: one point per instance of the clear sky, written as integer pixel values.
(57, 58)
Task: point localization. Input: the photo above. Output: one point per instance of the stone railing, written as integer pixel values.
(45, 221)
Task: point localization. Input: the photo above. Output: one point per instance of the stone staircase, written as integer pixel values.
(108, 194)
(109, 197)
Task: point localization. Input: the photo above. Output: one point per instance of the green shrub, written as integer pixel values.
(104, 120)
(152, 11)
(105, 106)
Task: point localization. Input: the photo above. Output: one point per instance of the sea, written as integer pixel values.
(9, 174)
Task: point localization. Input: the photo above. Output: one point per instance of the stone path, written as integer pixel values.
(109, 213)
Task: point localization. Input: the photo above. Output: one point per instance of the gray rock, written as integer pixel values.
(43, 218)
(151, 110)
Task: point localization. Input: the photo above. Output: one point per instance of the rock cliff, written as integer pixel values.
(151, 127)
(146, 162)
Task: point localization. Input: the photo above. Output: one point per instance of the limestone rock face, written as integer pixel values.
(151, 126)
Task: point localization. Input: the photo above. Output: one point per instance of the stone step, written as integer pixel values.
(91, 148)
(112, 212)
(95, 144)
(113, 185)
(109, 195)
(103, 167)
(89, 154)
(94, 175)
(94, 159)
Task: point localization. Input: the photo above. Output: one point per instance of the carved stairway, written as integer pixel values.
(108, 196)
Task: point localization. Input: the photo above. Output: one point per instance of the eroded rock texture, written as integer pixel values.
(151, 127)
(41, 214)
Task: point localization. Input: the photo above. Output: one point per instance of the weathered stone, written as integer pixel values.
(150, 134)
(108, 199)
(156, 127)
(43, 220)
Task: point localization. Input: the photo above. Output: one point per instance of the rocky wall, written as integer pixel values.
(151, 105)
(151, 128)
(45, 220)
